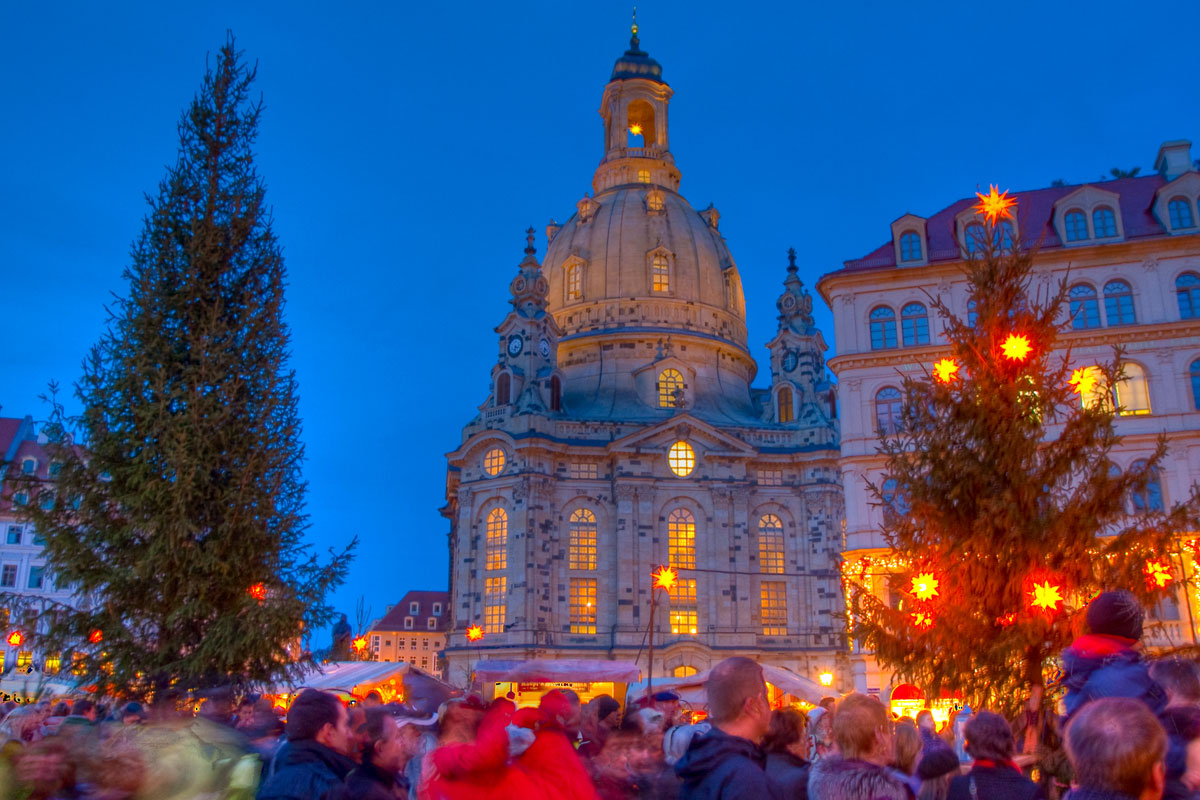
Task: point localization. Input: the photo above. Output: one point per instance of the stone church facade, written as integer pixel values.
(621, 432)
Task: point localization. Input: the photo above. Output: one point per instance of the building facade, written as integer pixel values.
(621, 432)
(413, 630)
(1131, 254)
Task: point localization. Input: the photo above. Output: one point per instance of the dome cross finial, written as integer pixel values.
(529, 248)
(633, 39)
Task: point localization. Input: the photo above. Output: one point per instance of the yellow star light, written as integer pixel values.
(945, 370)
(1016, 347)
(474, 633)
(1046, 596)
(922, 619)
(665, 578)
(1157, 573)
(995, 204)
(636, 129)
(1084, 380)
(924, 586)
(360, 643)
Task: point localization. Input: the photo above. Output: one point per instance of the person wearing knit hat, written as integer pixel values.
(1107, 660)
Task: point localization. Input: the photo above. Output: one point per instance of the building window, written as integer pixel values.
(784, 400)
(883, 328)
(46, 500)
(972, 314)
(654, 201)
(670, 389)
(660, 274)
(681, 539)
(21, 499)
(14, 532)
(583, 470)
(55, 468)
(1085, 308)
(1075, 224)
(1118, 303)
(1104, 223)
(683, 607)
(582, 546)
(887, 411)
(583, 605)
(910, 246)
(574, 281)
(496, 546)
(685, 671)
(52, 664)
(1187, 292)
(774, 477)
(503, 388)
(29, 466)
(437, 609)
(494, 607)
(38, 539)
(493, 461)
(408, 626)
(774, 608)
(1180, 211)
(643, 176)
(35, 577)
(555, 393)
(914, 324)
(1194, 374)
(431, 623)
(414, 607)
(1132, 392)
(1150, 498)
(974, 238)
(681, 458)
(24, 659)
(893, 499)
(1098, 395)
(770, 544)
(1002, 237)
(8, 576)
(412, 644)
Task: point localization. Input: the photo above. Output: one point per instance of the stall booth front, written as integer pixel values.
(785, 689)
(352, 681)
(525, 682)
(907, 700)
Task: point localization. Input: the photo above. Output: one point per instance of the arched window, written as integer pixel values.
(582, 547)
(1104, 223)
(1002, 237)
(974, 238)
(883, 328)
(770, 544)
(1194, 374)
(1085, 309)
(1180, 211)
(1075, 224)
(1187, 292)
(1118, 303)
(574, 281)
(555, 393)
(670, 389)
(893, 499)
(681, 539)
(1151, 498)
(660, 274)
(784, 401)
(496, 541)
(914, 324)
(910, 246)
(1132, 392)
(685, 671)
(503, 385)
(887, 410)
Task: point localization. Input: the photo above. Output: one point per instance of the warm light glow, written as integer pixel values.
(924, 586)
(474, 633)
(1017, 347)
(258, 591)
(636, 129)
(96, 636)
(1046, 596)
(1008, 619)
(1158, 573)
(16, 638)
(1084, 380)
(665, 578)
(359, 644)
(945, 370)
(922, 619)
(682, 459)
(493, 461)
(826, 678)
(995, 204)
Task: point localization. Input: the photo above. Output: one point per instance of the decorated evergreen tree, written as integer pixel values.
(178, 512)
(1001, 503)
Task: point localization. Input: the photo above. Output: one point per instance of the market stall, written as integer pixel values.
(784, 688)
(396, 682)
(526, 681)
(907, 700)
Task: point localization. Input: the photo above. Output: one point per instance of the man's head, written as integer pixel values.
(668, 703)
(84, 708)
(575, 717)
(372, 700)
(1179, 678)
(925, 721)
(862, 729)
(132, 714)
(1116, 613)
(606, 710)
(988, 736)
(320, 717)
(737, 698)
(382, 743)
(1116, 745)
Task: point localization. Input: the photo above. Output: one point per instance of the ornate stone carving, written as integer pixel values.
(1150, 264)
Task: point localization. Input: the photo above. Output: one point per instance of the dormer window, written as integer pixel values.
(1180, 212)
(1076, 225)
(786, 412)
(29, 466)
(655, 202)
(574, 281)
(670, 389)
(1104, 223)
(431, 623)
(408, 624)
(414, 607)
(1086, 214)
(910, 246)
(1003, 237)
(437, 609)
(660, 274)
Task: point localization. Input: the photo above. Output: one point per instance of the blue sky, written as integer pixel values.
(406, 147)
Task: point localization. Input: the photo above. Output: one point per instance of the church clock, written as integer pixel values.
(514, 345)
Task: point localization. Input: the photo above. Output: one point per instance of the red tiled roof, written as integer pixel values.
(394, 619)
(1035, 220)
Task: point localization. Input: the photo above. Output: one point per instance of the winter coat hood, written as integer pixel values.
(1098, 665)
(850, 779)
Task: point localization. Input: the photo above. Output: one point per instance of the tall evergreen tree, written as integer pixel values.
(180, 511)
(1002, 505)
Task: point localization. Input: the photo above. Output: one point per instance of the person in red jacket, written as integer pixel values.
(551, 762)
(465, 769)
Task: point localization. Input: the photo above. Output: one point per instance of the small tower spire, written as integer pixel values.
(633, 39)
(792, 268)
(529, 248)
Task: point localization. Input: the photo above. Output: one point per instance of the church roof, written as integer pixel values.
(637, 63)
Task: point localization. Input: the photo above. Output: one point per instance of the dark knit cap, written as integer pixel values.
(1115, 614)
(935, 762)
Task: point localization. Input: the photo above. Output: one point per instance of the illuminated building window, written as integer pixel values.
(1104, 223)
(493, 461)
(784, 401)
(643, 176)
(1118, 303)
(583, 605)
(974, 238)
(1180, 212)
(670, 389)
(660, 274)
(681, 540)
(770, 477)
(1150, 498)
(1093, 391)
(770, 544)
(910, 246)
(681, 458)
(52, 664)
(1132, 391)
(774, 608)
(685, 671)
(683, 608)
(582, 549)
(654, 201)
(582, 470)
(494, 607)
(1075, 224)
(24, 658)
(496, 546)
(1085, 308)
(883, 328)
(887, 410)
(914, 324)
(1187, 292)
(574, 281)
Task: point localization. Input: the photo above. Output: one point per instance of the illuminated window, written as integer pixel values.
(681, 539)
(654, 201)
(497, 539)
(1150, 498)
(1132, 391)
(887, 410)
(1075, 224)
(494, 608)
(784, 400)
(670, 389)
(493, 461)
(582, 470)
(910, 246)
(1187, 292)
(681, 458)
(684, 671)
(683, 607)
(52, 664)
(770, 544)
(574, 281)
(1085, 309)
(1104, 223)
(24, 658)
(914, 324)
(1118, 303)
(975, 238)
(883, 328)
(643, 176)
(774, 608)
(660, 274)
(773, 477)
(1097, 393)
(582, 549)
(583, 605)
(1180, 211)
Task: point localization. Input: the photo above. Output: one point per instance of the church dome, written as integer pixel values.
(637, 63)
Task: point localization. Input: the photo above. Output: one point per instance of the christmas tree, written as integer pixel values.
(177, 511)
(1002, 506)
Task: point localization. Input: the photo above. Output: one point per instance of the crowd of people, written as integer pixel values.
(1130, 730)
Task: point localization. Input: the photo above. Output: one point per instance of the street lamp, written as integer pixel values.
(826, 678)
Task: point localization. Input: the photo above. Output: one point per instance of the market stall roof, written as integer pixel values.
(691, 688)
(557, 671)
(346, 675)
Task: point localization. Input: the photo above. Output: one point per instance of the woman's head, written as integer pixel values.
(907, 746)
(785, 731)
(989, 736)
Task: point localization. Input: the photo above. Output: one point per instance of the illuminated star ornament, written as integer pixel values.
(665, 578)
(995, 204)
(258, 591)
(1016, 347)
(922, 619)
(636, 129)
(1084, 380)
(924, 586)
(945, 370)
(15, 638)
(474, 633)
(1046, 596)
(1158, 574)
(96, 636)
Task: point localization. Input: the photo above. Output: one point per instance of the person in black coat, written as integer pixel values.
(319, 745)
(994, 775)
(385, 752)
(785, 746)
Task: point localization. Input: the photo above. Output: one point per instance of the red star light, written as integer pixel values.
(945, 370)
(474, 633)
(16, 638)
(924, 586)
(1016, 347)
(995, 204)
(96, 636)
(258, 591)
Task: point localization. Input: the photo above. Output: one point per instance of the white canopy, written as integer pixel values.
(346, 676)
(691, 688)
(561, 671)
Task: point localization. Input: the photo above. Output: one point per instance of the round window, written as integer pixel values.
(682, 459)
(493, 461)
